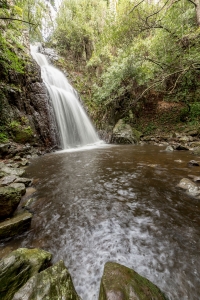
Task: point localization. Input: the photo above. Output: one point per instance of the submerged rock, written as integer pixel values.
(53, 283)
(16, 225)
(9, 200)
(18, 267)
(121, 283)
(124, 134)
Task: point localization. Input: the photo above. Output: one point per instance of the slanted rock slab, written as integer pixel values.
(18, 267)
(53, 283)
(15, 225)
(13, 171)
(8, 180)
(26, 181)
(9, 200)
(121, 283)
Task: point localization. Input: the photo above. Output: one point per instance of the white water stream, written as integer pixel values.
(75, 128)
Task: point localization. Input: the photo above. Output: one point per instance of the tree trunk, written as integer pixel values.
(197, 2)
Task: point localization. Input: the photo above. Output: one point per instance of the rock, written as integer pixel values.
(196, 151)
(13, 171)
(26, 181)
(4, 149)
(193, 163)
(189, 186)
(121, 283)
(9, 200)
(19, 186)
(15, 225)
(53, 283)
(124, 134)
(185, 139)
(180, 147)
(18, 267)
(7, 180)
(2, 174)
(195, 178)
(169, 149)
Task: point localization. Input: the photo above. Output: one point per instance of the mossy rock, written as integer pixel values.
(121, 283)
(18, 267)
(9, 200)
(54, 283)
(125, 134)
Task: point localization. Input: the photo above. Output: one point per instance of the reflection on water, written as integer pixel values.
(119, 204)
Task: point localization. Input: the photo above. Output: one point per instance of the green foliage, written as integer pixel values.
(79, 24)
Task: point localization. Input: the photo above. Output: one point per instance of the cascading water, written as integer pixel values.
(74, 126)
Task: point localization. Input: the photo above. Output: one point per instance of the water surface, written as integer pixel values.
(118, 203)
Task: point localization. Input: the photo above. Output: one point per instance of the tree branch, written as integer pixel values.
(135, 6)
(13, 19)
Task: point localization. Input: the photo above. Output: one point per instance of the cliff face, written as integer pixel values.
(25, 111)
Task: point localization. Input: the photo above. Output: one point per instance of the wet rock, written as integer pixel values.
(13, 171)
(16, 225)
(8, 180)
(121, 283)
(26, 181)
(169, 149)
(196, 151)
(194, 178)
(193, 163)
(124, 134)
(181, 147)
(189, 186)
(53, 283)
(9, 200)
(20, 187)
(4, 149)
(18, 267)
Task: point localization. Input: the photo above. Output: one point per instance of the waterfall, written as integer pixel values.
(75, 128)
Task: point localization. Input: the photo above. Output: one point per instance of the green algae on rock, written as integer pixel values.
(121, 283)
(54, 283)
(18, 267)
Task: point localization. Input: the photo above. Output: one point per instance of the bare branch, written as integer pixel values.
(13, 19)
(135, 6)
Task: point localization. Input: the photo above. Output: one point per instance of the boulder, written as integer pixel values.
(9, 200)
(20, 187)
(121, 283)
(16, 225)
(13, 171)
(124, 134)
(189, 186)
(169, 149)
(53, 283)
(18, 267)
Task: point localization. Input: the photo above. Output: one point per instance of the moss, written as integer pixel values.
(21, 133)
(120, 280)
